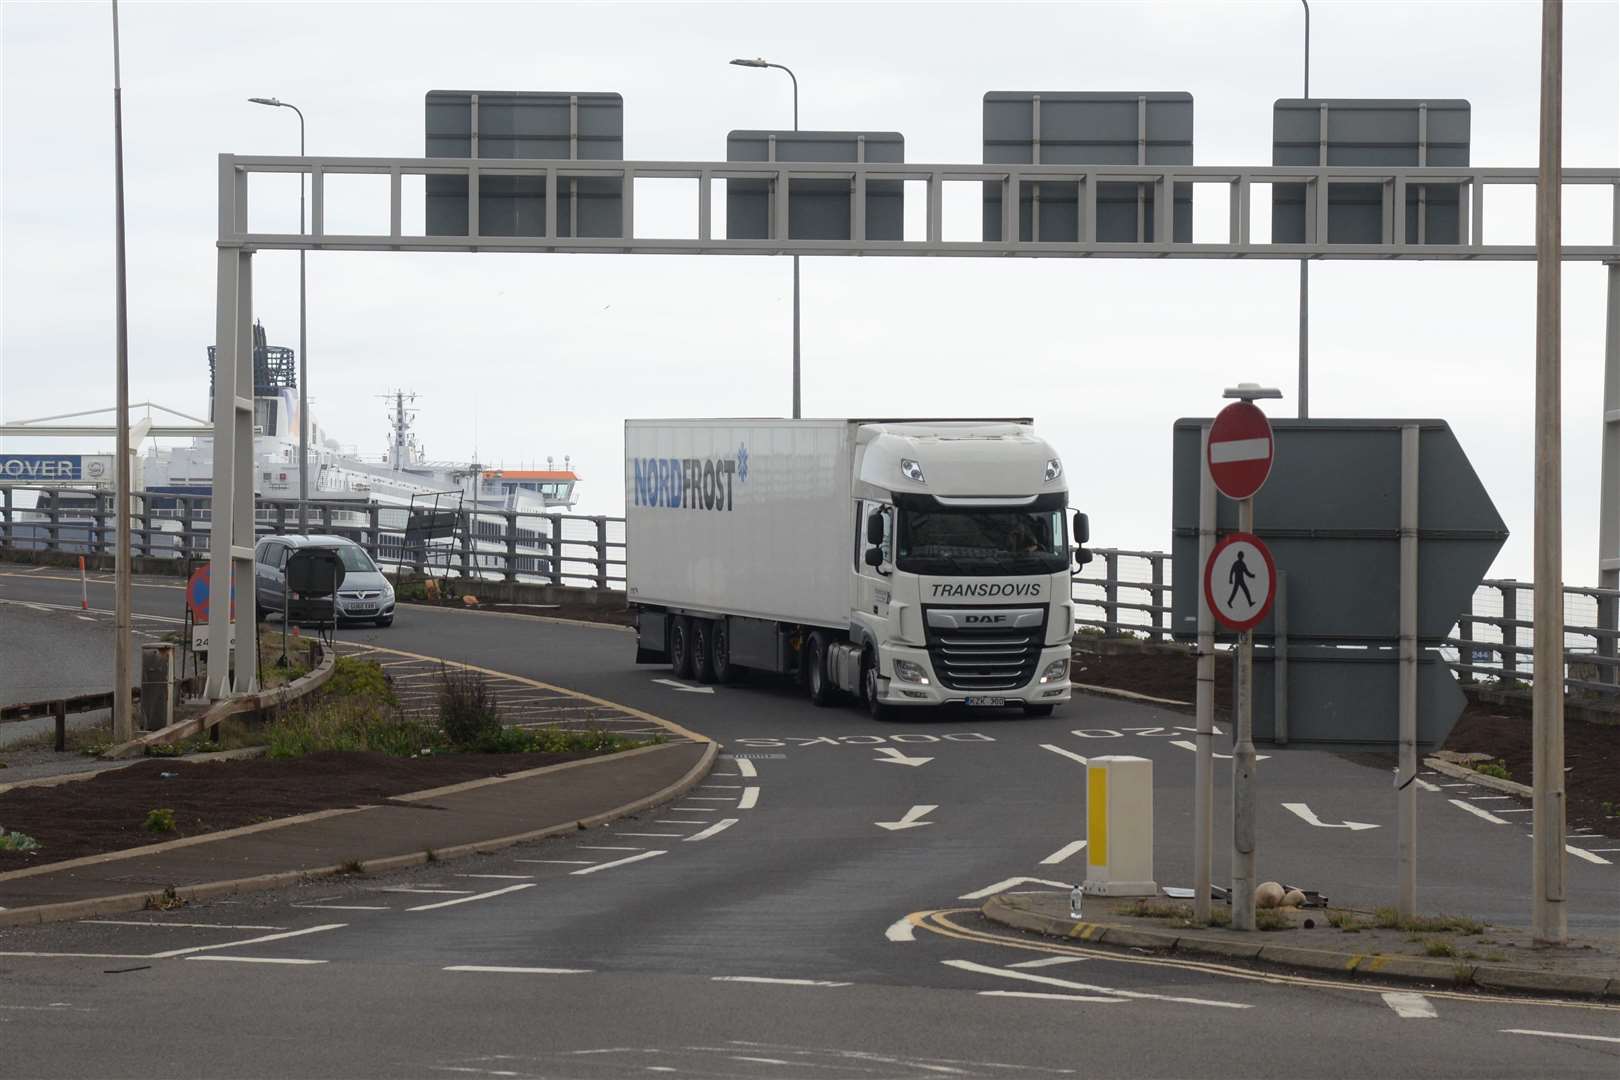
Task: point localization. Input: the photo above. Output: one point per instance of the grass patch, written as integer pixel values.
(1436, 947)
(16, 841)
(349, 725)
(1271, 919)
(1181, 914)
(1497, 769)
(1387, 918)
(554, 740)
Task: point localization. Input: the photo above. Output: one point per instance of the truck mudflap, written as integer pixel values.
(652, 637)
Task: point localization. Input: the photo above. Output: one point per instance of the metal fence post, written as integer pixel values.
(1465, 650)
(601, 553)
(468, 522)
(146, 523)
(556, 548)
(281, 518)
(326, 517)
(1156, 561)
(374, 532)
(7, 537)
(511, 545)
(1111, 593)
(1510, 629)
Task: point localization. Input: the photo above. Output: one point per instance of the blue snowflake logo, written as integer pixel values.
(742, 463)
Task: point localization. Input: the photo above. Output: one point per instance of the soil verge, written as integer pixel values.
(108, 812)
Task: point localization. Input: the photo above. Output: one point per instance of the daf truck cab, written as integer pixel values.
(903, 563)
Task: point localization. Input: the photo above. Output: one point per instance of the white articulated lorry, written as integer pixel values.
(905, 562)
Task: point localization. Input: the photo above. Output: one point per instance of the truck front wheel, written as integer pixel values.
(869, 690)
(820, 686)
(680, 647)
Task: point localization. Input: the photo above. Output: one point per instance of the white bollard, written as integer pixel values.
(1119, 827)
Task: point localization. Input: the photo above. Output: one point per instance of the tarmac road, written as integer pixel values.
(757, 927)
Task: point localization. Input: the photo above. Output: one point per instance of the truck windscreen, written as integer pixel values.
(979, 540)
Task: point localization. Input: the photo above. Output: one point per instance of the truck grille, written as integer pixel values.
(987, 659)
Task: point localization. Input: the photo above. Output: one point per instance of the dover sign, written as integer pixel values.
(56, 468)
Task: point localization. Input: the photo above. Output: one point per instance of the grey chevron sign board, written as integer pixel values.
(1330, 514)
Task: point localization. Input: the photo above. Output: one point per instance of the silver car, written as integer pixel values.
(364, 596)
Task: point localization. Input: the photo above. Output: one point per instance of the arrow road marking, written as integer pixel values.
(909, 819)
(898, 757)
(1410, 1006)
(685, 688)
(1003, 886)
(1065, 984)
(1309, 817)
(1186, 744)
(1063, 853)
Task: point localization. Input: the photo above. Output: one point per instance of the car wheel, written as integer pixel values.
(876, 709)
(819, 686)
(1038, 710)
(721, 651)
(703, 650)
(680, 647)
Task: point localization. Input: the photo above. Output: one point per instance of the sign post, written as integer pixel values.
(1239, 455)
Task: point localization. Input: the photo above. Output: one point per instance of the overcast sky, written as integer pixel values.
(546, 355)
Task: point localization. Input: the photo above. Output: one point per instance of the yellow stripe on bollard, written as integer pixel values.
(1097, 816)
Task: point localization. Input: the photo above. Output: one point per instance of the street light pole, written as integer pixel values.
(759, 63)
(303, 334)
(123, 600)
(1305, 264)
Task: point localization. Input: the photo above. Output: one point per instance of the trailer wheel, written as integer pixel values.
(723, 670)
(703, 650)
(680, 647)
(869, 690)
(821, 689)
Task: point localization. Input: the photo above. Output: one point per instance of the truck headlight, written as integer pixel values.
(912, 470)
(1054, 469)
(906, 671)
(1056, 671)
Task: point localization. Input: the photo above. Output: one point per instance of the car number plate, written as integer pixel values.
(987, 701)
(362, 607)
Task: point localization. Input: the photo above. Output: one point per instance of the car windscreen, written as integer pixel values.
(981, 540)
(354, 559)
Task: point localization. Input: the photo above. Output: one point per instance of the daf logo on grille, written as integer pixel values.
(981, 619)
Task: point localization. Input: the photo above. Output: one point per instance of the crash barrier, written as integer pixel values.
(1121, 594)
(61, 707)
(1119, 827)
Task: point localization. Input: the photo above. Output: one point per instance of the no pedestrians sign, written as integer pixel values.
(1240, 450)
(1240, 581)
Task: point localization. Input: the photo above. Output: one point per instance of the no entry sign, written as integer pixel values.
(1240, 581)
(1240, 450)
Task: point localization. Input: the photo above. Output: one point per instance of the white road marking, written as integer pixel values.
(1477, 811)
(659, 835)
(901, 930)
(423, 891)
(1410, 1006)
(750, 798)
(678, 821)
(1064, 852)
(684, 688)
(1003, 886)
(82, 955)
(1066, 753)
(746, 767)
(470, 899)
(718, 787)
(1561, 1035)
(619, 862)
(1187, 744)
(1587, 855)
(908, 820)
(559, 862)
(1487, 798)
(1604, 850)
(1050, 961)
(258, 960)
(711, 798)
(344, 907)
(898, 757)
(1304, 813)
(1456, 785)
(1526, 810)
(718, 827)
(494, 970)
(1092, 999)
(248, 941)
(1065, 984)
(500, 877)
(691, 809)
(775, 982)
(187, 925)
(601, 847)
(1426, 786)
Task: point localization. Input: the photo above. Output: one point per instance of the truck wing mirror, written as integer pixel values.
(874, 529)
(1081, 557)
(1082, 528)
(874, 557)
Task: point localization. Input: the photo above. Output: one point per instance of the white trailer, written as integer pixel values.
(906, 562)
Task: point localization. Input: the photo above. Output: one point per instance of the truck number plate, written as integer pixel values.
(987, 701)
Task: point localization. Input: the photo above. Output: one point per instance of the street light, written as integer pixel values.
(759, 62)
(303, 336)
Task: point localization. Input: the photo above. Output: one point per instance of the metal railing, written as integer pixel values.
(495, 545)
(1121, 593)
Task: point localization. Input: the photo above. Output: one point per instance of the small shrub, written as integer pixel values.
(1387, 918)
(349, 724)
(1271, 919)
(468, 711)
(351, 866)
(359, 679)
(1436, 947)
(1493, 768)
(159, 820)
(1348, 921)
(16, 841)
